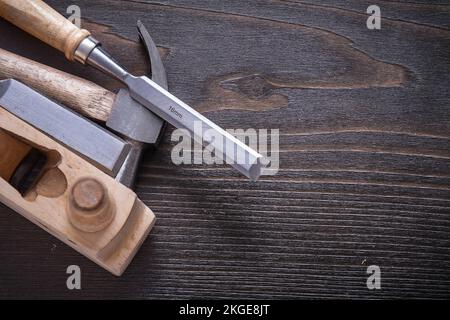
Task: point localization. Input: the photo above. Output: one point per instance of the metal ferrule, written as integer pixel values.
(84, 49)
(90, 52)
(101, 60)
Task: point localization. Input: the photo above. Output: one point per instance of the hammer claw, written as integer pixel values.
(127, 174)
(158, 72)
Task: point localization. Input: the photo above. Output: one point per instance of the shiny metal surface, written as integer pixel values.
(168, 107)
(97, 145)
(101, 60)
(141, 127)
(84, 49)
(204, 131)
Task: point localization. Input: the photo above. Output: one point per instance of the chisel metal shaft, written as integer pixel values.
(43, 22)
(204, 131)
(176, 112)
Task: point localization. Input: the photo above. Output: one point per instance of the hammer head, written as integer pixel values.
(139, 126)
(129, 118)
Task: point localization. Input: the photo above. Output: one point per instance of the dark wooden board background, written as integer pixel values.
(364, 117)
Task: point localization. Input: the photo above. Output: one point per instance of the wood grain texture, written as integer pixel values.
(364, 119)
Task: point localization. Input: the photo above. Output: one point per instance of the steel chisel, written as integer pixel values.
(122, 114)
(43, 22)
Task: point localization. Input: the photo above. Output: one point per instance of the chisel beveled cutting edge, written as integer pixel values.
(40, 20)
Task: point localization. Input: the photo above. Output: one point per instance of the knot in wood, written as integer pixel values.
(253, 86)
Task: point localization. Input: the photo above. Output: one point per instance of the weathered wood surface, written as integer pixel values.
(364, 117)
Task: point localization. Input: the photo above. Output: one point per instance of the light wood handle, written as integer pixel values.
(83, 96)
(43, 22)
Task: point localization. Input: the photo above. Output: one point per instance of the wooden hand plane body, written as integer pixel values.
(59, 176)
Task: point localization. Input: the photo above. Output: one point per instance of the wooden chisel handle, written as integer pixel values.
(83, 96)
(43, 22)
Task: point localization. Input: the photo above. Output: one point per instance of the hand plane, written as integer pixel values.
(95, 214)
(57, 170)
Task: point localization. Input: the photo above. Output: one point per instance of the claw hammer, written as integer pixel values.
(122, 114)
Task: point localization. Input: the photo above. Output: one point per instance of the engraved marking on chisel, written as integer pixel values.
(175, 112)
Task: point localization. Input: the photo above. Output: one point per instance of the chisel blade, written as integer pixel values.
(204, 131)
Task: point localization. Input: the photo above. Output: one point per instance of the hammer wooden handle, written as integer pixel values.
(43, 22)
(81, 95)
